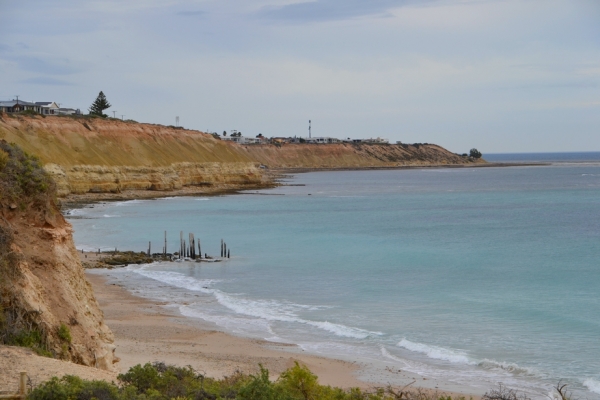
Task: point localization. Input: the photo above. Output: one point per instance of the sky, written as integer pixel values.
(497, 75)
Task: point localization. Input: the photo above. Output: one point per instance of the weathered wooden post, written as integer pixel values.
(23, 385)
(165, 251)
(149, 249)
(192, 246)
(180, 243)
(224, 249)
(228, 254)
(199, 249)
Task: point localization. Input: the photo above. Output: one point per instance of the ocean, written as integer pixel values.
(468, 276)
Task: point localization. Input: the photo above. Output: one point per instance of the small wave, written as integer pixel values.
(77, 212)
(505, 366)
(269, 310)
(593, 385)
(202, 199)
(438, 353)
(128, 203)
(174, 278)
(245, 325)
(110, 216)
(386, 353)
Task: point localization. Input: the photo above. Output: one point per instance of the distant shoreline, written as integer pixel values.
(81, 200)
(400, 167)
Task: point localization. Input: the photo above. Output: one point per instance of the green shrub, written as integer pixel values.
(261, 387)
(300, 383)
(64, 333)
(23, 178)
(475, 153)
(32, 339)
(72, 387)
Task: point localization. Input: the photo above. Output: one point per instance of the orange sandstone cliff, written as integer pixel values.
(45, 301)
(97, 155)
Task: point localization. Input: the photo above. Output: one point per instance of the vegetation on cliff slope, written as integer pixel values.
(24, 185)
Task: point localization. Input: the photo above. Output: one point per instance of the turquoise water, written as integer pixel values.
(467, 276)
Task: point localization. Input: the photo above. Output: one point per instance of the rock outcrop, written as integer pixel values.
(45, 301)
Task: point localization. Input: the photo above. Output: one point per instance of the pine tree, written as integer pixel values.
(99, 105)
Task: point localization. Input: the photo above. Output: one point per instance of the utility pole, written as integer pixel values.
(122, 118)
(309, 133)
(114, 114)
(176, 121)
(17, 98)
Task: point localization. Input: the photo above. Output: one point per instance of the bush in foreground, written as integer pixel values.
(161, 382)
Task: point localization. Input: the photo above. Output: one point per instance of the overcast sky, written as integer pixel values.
(498, 75)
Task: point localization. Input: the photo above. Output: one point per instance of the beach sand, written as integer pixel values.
(145, 331)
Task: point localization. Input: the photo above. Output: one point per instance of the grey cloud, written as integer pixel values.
(326, 10)
(52, 67)
(44, 80)
(191, 13)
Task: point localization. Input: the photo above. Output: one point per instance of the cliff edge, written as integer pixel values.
(46, 303)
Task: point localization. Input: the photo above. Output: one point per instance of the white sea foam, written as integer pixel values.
(174, 278)
(269, 310)
(76, 212)
(438, 353)
(110, 216)
(252, 326)
(387, 354)
(286, 312)
(127, 203)
(506, 366)
(202, 199)
(593, 385)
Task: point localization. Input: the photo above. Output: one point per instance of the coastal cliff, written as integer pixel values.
(348, 155)
(45, 301)
(96, 155)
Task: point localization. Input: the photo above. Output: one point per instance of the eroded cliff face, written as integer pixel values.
(44, 296)
(97, 155)
(79, 179)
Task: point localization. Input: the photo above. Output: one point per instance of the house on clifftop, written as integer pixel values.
(38, 107)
